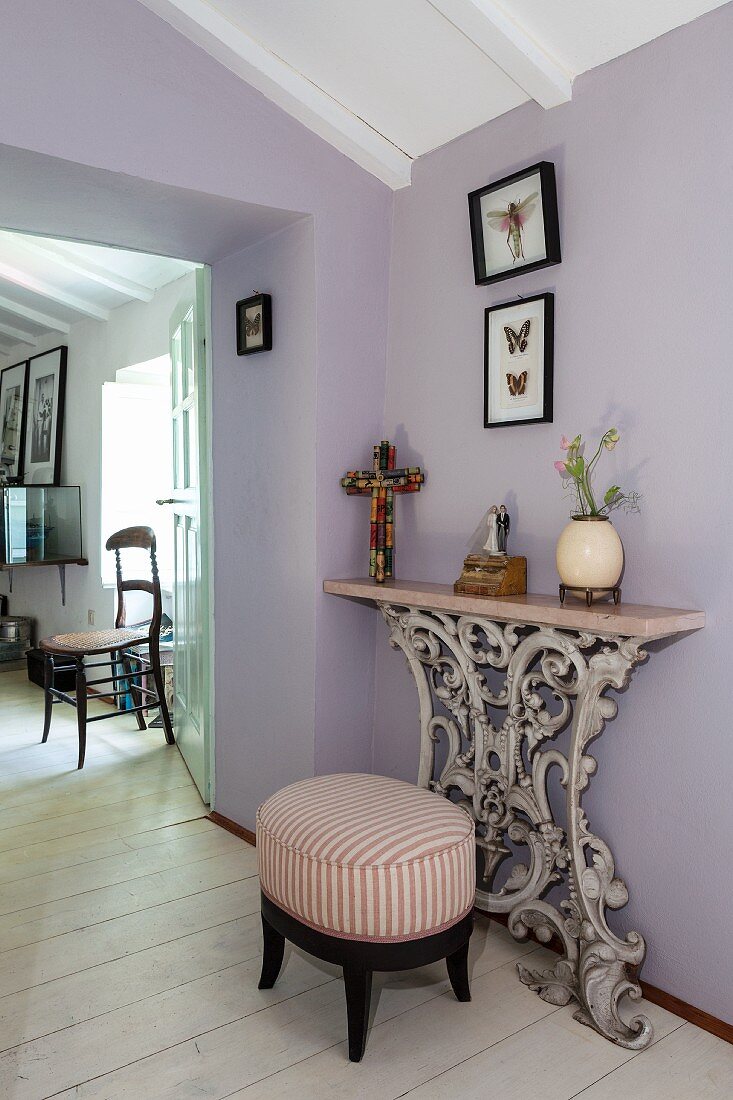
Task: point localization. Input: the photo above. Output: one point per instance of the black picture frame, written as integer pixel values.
(45, 471)
(550, 229)
(10, 376)
(545, 323)
(261, 340)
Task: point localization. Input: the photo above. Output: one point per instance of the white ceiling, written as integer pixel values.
(359, 54)
(46, 285)
(582, 34)
(388, 80)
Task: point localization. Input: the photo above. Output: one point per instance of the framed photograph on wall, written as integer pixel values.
(254, 324)
(13, 389)
(518, 356)
(44, 421)
(514, 224)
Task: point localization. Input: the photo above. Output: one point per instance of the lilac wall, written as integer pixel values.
(116, 88)
(265, 530)
(642, 317)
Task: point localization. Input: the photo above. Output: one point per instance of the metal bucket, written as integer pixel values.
(15, 637)
(14, 629)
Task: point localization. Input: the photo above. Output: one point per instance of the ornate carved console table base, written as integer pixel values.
(494, 692)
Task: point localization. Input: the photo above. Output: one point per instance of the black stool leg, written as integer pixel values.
(48, 701)
(457, 964)
(81, 709)
(358, 984)
(272, 955)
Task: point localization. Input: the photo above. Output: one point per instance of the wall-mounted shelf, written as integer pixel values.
(60, 563)
(40, 525)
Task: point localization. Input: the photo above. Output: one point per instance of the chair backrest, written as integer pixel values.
(139, 538)
(142, 538)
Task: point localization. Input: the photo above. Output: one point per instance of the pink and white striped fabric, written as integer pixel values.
(366, 857)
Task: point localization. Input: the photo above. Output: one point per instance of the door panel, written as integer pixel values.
(194, 623)
(180, 618)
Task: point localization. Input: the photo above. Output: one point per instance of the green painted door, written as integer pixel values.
(188, 505)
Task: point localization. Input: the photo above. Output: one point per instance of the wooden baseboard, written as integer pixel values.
(652, 993)
(688, 1012)
(232, 827)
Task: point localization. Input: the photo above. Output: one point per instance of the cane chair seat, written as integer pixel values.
(93, 641)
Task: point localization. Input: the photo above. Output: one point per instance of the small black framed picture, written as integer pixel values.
(254, 324)
(518, 361)
(514, 224)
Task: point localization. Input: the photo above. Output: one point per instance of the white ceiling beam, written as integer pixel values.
(44, 320)
(81, 266)
(509, 46)
(230, 44)
(47, 290)
(18, 334)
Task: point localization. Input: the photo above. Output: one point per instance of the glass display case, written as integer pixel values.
(40, 524)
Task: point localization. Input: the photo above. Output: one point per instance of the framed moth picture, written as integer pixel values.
(514, 224)
(44, 421)
(254, 324)
(518, 358)
(13, 387)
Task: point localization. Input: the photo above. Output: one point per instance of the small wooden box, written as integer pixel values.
(65, 681)
(494, 576)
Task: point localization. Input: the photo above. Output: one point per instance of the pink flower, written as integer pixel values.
(564, 444)
(560, 467)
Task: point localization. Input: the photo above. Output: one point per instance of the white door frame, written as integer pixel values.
(207, 515)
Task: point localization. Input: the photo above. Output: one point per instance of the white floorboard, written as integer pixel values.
(129, 959)
(149, 831)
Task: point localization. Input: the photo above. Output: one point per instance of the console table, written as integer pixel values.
(497, 680)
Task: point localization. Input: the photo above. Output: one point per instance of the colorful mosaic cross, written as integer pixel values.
(381, 483)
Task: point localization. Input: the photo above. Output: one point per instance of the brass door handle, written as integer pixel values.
(169, 500)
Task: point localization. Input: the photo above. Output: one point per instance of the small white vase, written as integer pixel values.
(589, 553)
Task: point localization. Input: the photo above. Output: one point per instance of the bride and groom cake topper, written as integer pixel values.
(489, 570)
(499, 525)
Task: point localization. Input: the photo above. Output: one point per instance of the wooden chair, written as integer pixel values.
(119, 647)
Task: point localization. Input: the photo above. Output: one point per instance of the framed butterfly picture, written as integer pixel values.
(254, 324)
(518, 361)
(514, 224)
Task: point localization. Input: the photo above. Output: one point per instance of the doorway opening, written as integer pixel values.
(245, 247)
(126, 422)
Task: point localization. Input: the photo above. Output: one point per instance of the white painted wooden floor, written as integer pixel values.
(129, 959)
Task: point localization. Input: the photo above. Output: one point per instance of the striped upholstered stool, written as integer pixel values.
(368, 873)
